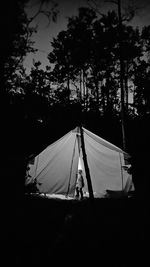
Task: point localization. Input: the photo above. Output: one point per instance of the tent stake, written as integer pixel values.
(88, 177)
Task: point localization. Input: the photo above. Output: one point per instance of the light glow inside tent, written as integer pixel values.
(80, 166)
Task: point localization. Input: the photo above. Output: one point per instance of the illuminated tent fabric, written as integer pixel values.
(56, 167)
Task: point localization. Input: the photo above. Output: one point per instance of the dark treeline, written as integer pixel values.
(81, 84)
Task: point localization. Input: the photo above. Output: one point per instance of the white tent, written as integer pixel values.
(55, 168)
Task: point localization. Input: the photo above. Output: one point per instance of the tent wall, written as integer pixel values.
(55, 168)
(105, 163)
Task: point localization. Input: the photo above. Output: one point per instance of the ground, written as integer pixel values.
(42, 228)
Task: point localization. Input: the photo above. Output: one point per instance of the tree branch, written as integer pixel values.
(94, 6)
(50, 14)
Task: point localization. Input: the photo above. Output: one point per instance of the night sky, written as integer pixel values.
(67, 8)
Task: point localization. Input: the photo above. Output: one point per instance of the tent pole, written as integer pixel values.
(88, 177)
(36, 167)
(121, 171)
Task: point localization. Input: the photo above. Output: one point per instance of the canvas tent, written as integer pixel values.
(55, 168)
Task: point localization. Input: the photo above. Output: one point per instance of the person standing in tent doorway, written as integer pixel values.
(79, 185)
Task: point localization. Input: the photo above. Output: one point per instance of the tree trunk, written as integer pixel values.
(126, 87)
(97, 94)
(80, 93)
(103, 98)
(121, 73)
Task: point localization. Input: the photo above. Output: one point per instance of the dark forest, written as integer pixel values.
(98, 75)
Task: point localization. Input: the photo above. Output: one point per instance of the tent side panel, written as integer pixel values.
(104, 164)
(55, 166)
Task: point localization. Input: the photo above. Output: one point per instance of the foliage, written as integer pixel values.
(96, 41)
(83, 83)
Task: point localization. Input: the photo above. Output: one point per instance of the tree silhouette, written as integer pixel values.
(17, 129)
(84, 75)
